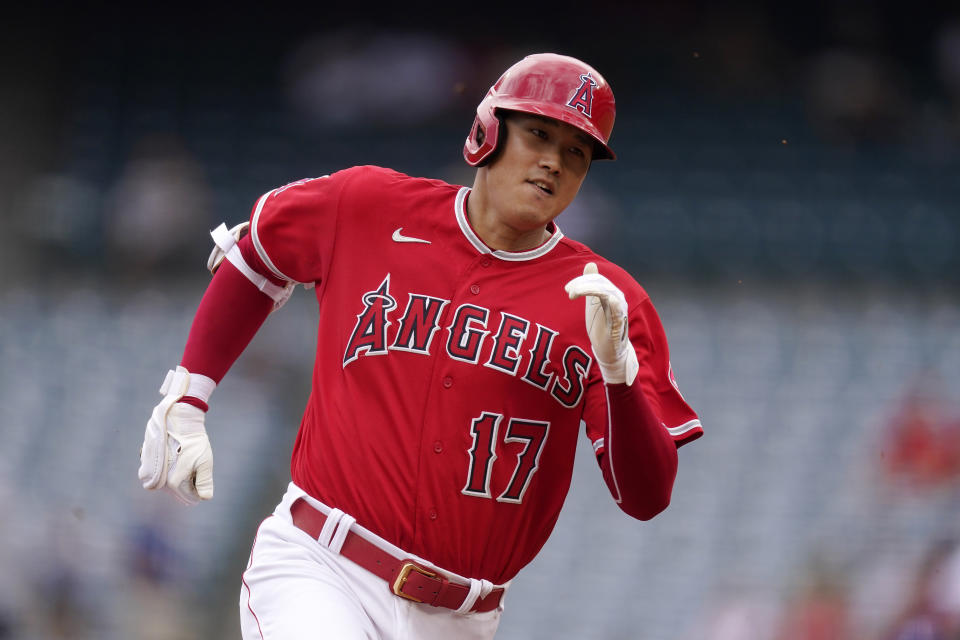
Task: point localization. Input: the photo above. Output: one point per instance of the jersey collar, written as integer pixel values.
(512, 256)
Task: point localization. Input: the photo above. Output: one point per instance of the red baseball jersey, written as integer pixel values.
(451, 379)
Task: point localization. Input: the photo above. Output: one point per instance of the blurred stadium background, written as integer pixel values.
(788, 191)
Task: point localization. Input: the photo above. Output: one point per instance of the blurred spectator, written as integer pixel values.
(856, 96)
(820, 609)
(737, 53)
(65, 601)
(932, 610)
(737, 613)
(364, 78)
(155, 609)
(152, 556)
(922, 448)
(158, 212)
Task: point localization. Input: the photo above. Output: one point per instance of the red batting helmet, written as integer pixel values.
(550, 85)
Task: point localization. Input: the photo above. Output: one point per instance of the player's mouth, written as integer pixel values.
(543, 186)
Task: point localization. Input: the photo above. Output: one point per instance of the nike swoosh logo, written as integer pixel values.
(399, 237)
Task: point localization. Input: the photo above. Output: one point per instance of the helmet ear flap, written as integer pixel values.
(479, 133)
(501, 138)
(483, 139)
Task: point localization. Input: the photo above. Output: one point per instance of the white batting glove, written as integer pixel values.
(606, 318)
(176, 454)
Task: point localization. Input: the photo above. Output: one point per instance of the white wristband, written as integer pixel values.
(201, 387)
(623, 371)
(197, 385)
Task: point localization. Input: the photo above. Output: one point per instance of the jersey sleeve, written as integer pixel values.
(293, 227)
(655, 378)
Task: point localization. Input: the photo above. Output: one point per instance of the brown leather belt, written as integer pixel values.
(405, 578)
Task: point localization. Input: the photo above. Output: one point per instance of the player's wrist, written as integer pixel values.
(622, 370)
(198, 391)
(612, 372)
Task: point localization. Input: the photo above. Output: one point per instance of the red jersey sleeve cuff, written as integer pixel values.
(687, 432)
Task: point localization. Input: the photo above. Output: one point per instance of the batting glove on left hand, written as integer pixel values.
(176, 454)
(606, 318)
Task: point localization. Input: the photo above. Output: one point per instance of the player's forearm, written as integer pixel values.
(640, 463)
(230, 314)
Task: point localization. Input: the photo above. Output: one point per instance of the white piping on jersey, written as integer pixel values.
(227, 245)
(478, 244)
(686, 426)
(613, 472)
(674, 431)
(256, 239)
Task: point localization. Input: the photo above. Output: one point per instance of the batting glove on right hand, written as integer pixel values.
(606, 318)
(176, 454)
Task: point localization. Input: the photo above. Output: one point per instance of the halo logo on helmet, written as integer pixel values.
(583, 98)
(548, 85)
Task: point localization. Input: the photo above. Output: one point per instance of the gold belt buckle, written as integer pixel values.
(401, 580)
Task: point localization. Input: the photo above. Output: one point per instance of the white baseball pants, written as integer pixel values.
(294, 588)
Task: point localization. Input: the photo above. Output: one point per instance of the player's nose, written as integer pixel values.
(550, 159)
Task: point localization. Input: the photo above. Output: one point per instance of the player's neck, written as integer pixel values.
(498, 235)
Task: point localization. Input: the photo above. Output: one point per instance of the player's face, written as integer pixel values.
(538, 171)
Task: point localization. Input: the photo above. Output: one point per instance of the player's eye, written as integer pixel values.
(540, 133)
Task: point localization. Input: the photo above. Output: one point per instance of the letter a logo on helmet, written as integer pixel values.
(549, 85)
(583, 98)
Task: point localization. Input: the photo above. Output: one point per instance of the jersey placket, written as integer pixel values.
(465, 331)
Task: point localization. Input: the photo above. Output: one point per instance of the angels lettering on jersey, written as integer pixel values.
(476, 335)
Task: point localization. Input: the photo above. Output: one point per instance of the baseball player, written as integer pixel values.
(462, 339)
